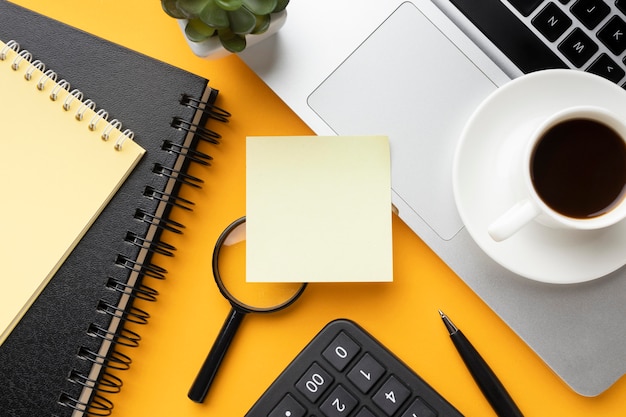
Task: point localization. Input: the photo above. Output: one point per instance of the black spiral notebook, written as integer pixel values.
(57, 359)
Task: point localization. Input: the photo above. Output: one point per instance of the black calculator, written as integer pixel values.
(345, 372)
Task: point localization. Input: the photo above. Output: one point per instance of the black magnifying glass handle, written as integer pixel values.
(207, 373)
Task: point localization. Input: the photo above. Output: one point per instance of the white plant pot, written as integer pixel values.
(213, 49)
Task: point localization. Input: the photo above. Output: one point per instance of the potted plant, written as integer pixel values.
(226, 25)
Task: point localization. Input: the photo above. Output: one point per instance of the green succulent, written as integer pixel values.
(229, 20)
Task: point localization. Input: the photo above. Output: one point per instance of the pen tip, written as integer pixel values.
(449, 325)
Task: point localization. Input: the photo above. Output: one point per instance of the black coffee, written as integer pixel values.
(579, 168)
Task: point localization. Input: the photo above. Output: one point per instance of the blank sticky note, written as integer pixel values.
(318, 209)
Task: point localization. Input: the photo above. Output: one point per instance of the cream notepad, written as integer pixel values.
(318, 209)
(58, 176)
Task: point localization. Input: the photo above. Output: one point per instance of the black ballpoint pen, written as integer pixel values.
(488, 382)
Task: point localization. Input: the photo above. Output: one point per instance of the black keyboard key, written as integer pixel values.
(605, 67)
(339, 403)
(288, 406)
(613, 35)
(590, 12)
(314, 382)
(341, 351)
(509, 34)
(525, 7)
(552, 22)
(364, 412)
(621, 4)
(578, 47)
(391, 396)
(366, 373)
(419, 408)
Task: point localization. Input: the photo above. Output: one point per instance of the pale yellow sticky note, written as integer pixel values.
(58, 175)
(318, 209)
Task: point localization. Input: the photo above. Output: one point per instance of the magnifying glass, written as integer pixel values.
(245, 297)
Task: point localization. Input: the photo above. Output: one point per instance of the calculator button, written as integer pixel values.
(339, 403)
(288, 407)
(419, 408)
(391, 396)
(364, 412)
(314, 382)
(341, 351)
(366, 373)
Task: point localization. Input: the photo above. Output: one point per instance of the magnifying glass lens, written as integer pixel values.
(231, 264)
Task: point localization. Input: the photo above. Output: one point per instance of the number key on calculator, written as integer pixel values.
(345, 372)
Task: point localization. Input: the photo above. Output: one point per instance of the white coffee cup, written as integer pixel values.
(574, 174)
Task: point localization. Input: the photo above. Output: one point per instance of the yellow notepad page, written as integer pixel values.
(318, 209)
(57, 177)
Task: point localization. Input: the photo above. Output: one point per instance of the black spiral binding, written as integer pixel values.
(105, 383)
(97, 404)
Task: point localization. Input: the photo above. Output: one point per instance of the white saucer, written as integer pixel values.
(484, 189)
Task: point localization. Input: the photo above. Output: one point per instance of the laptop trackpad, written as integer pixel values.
(410, 82)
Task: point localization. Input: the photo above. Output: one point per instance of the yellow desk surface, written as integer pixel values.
(190, 311)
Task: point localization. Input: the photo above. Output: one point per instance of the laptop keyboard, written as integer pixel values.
(589, 35)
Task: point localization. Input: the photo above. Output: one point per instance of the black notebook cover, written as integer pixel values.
(68, 338)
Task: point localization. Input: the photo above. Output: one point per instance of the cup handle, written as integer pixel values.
(513, 220)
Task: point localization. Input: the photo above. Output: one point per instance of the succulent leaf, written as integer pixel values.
(192, 8)
(197, 31)
(280, 6)
(260, 7)
(232, 41)
(242, 21)
(262, 24)
(214, 16)
(170, 7)
(229, 5)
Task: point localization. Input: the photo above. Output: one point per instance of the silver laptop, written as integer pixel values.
(415, 71)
